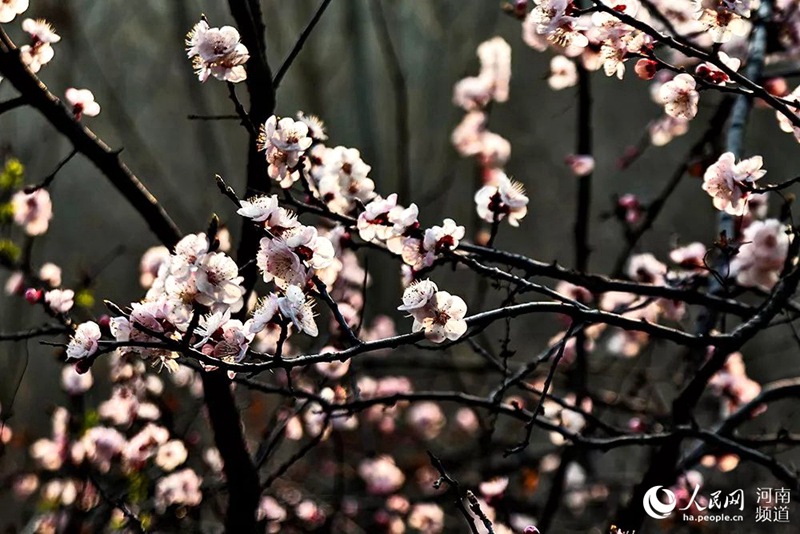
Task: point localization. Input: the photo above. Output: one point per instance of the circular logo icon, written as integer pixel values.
(656, 508)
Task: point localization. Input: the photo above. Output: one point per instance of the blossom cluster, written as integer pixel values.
(500, 197)
(217, 52)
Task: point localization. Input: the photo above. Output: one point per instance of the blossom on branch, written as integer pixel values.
(679, 97)
(506, 198)
(217, 52)
(82, 103)
(84, 343)
(284, 141)
(438, 313)
(39, 52)
(762, 255)
(32, 211)
(729, 182)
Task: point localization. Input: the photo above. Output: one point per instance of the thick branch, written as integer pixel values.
(87, 143)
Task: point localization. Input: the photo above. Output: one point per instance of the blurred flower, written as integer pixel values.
(32, 211)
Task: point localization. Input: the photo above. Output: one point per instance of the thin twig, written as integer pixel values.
(298, 45)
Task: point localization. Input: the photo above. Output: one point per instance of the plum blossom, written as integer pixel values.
(39, 52)
(218, 282)
(181, 488)
(426, 517)
(284, 259)
(50, 273)
(101, 445)
(381, 475)
(171, 454)
(495, 58)
(646, 269)
(345, 179)
(504, 199)
(259, 209)
(284, 141)
(9, 9)
(665, 129)
(228, 339)
(277, 261)
(580, 164)
(472, 93)
(713, 74)
(680, 97)
(82, 102)
(783, 121)
(646, 69)
(733, 385)
(60, 300)
(32, 211)
(418, 295)
(467, 137)
(217, 52)
(727, 182)
(84, 342)
(294, 306)
(438, 313)
(762, 254)
(492, 83)
(721, 20)
(691, 256)
(373, 222)
(563, 73)
(426, 419)
(151, 263)
(316, 128)
(75, 383)
(551, 18)
(446, 237)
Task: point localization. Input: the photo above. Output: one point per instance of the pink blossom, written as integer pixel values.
(9, 9)
(426, 419)
(181, 488)
(381, 475)
(563, 73)
(440, 315)
(84, 343)
(505, 199)
(427, 517)
(679, 97)
(580, 164)
(762, 255)
(40, 51)
(82, 102)
(217, 52)
(495, 58)
(727, 181)
(665, 129)
(692, 256)
(373, 222)
(171, 454)
(32, 211)
(60, 301)
(550, 18)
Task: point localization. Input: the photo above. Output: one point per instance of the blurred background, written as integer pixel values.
(131, 55)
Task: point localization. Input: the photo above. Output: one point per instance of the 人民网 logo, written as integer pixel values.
(655, 507)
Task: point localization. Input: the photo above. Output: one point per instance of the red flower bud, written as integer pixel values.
(33, 295)
(646, 69)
